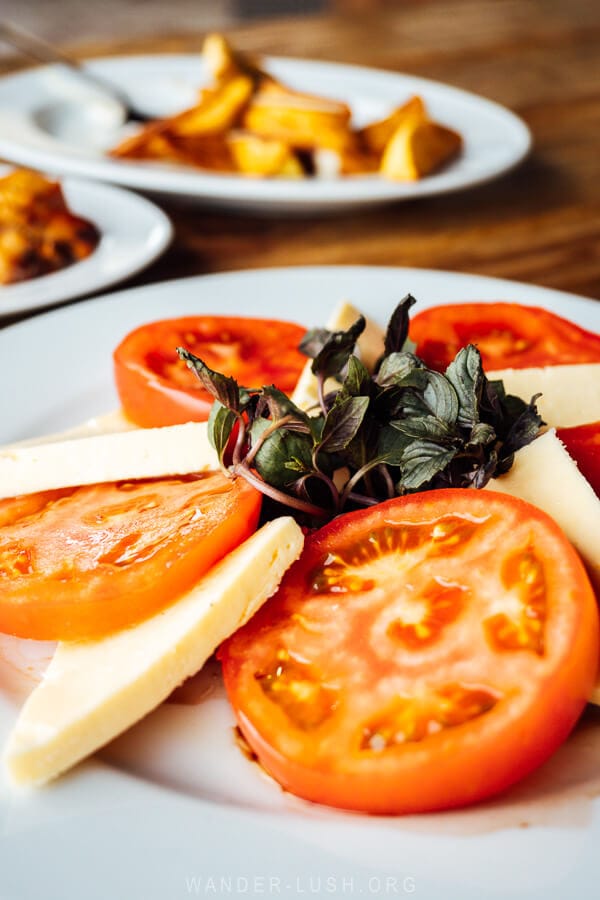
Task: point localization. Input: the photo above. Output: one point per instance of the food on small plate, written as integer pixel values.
(249, 123)
(156, 387)
(38, 232)
(82, 562)
(95, 689)
(421, 655)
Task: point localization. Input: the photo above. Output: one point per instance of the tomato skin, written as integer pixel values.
(81, 563)
(583, 444)
(537, 698)
(507, 335)
(156, 387)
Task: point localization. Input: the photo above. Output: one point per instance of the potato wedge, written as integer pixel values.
(263, 157)
(301, 120)
(224, 63)
(376, 135)
(418, 147)
(218, 111)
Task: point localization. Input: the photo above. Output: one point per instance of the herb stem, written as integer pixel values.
(389, 483)
(279, 423)
(321, 392)
(239, 441)
(346, 493)
(360, 498)
(275, 494)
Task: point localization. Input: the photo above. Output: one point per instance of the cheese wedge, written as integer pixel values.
(570, 394)
(370, 345)
(94, 690)
(545, 475)
(117, 456)
(110, 422)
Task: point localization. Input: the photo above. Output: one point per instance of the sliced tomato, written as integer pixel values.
(157, 388)
(583, 443)
(507, 335)
(423, 654)
(83, 562)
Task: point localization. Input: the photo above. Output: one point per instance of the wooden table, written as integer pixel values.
(539, 224)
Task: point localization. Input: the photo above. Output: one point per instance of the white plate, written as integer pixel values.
(133, 233)
(48, 120)
(174, 800)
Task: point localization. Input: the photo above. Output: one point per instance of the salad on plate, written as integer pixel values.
(359, 521)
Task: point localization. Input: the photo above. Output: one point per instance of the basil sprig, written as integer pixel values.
(401, 429)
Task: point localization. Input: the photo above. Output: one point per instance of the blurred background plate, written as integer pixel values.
(133, 233)
(49, 121)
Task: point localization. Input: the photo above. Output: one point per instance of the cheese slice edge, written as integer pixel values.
(570, 393)
(94, 690)
(114, 456)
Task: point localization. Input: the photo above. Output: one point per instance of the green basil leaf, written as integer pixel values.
(401, 370)
(482, 434)
(425, 428)
(342, 423)
(397, 330)
(278, 449)
(221, 387)
(441, 398)
(391, 445)
(279, 405)
(337, 350)
(421, 462)
(358, 380)
(465, 374)
(313, 341)
(220, 425)
(523, 429)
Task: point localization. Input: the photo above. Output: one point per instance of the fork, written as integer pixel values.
(39, 49)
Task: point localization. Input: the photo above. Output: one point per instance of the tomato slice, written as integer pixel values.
(507, 335)
(583, 443)
(157, 388)
(423, 654)
(83, 562)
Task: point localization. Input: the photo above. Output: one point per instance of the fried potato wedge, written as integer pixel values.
(376, 135)
(219, 110)
(417, 148)
(264, 157)
(224, 63)
(300, 120)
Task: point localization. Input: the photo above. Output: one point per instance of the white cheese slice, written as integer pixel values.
(94, 690)
(370, 345)
(110, 422)
(570, 394)
(118, 456)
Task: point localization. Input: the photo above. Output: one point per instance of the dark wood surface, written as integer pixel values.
(539, 224)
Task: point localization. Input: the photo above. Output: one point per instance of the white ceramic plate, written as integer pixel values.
(133, 233)
(173, 808)
(47, 120)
